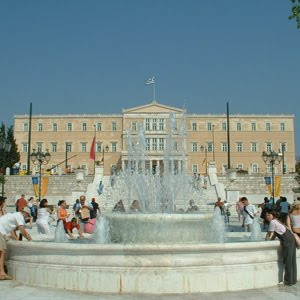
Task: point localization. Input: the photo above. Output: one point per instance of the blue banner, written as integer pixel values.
(268, 180)
(35, 180)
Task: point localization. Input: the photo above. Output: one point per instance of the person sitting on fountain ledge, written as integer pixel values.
(119, 207)
(69, 226)
(135, 206)
(83, 212)
(192, 207)
(9, 223)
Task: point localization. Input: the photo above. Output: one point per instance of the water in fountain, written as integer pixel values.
(60, 233)
(101, 234)
(218, 227)
(256, 234)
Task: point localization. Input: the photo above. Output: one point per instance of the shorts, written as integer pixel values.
(2, 242)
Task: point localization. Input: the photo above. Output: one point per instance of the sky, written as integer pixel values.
(71, 56)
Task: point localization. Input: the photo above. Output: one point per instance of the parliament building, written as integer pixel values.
(204, 139)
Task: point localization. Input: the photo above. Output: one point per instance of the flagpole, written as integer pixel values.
(94, 149)
(154, 91)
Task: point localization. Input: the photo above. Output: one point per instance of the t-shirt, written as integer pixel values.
(277, 227)
(21, 203)
(70, 226)
(252, 211)
(284, 205)
(10, 222)
(93, 212)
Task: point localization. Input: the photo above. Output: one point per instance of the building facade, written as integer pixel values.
(196, 139)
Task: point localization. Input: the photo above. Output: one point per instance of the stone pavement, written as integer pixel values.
(13, 290)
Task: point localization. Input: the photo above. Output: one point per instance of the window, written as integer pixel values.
(268, 126)
(154, 144)
(147, 124)
(114, 126)
(154, 124)
(39, 147)
(24, 147)
(25, 127)
(194, 126)
(98, 146)
(209, 147)
(161, 124)
(268, 146)
(24, 167)
(194, 146)
(283, 146)
(195, 169)
(83, 167)
(224, 147)
(147, 144)
(239, 126)
(253, 147)
(175, 146)
(69, 147)
(284, 169)
(269, 168)
(54, 147)
(254, 168)
(133, 126)
(40, 126)
(209, 126)
(84, 126)
(239, 166)
(54, 127)
(253, 126)
(282, 126)
(161, 144)
(239, 147)
(69, 126)
(99, 126)
(114, 147)
(224, 126)
(83, 147)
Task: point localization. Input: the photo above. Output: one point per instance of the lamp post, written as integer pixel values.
(40, 158)
(5, 146)
(202, 148)
(282, 151)
(106, 149)
(272, 158)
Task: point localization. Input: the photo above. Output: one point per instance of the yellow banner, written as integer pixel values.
(277, 186)
(269, 188)
(44, 187)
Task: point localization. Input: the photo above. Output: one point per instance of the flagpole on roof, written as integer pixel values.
(151, 81)
(95, 149)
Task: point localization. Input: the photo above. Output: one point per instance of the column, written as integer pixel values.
(123, 165)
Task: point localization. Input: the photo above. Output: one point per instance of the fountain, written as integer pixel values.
(158, 251)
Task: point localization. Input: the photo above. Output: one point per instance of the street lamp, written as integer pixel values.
(272, 158)
(5, 146)
(40, 158)
(202, 148)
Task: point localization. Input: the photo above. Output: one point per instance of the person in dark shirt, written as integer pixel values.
(94, 211)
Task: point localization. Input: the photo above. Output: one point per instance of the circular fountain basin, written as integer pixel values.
(147, 268)
(159, 228)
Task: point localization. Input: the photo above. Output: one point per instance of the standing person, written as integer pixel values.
(227, 211)
(284, 210)
(264, 207)
(75, 206)
(249, 212)
(2, 206)
(288, 245)
(293, 220)
(193, 207)
(9, 223)
(62, 213)
(239, 207)
(43, 217)
(21, 203)
(33, 208)
(95, 210)
(83, 212)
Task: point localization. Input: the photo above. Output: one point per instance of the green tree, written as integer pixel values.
(295, 12)
(8, 159)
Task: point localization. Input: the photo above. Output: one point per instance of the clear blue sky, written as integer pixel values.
(93, 56)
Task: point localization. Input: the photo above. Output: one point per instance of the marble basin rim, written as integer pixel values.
(146, 268)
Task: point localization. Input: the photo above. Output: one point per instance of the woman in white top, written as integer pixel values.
(293, 220)
(288, 244)
(43, 218)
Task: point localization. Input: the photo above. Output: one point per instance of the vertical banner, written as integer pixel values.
(44, 185)
(268, 183)
(277, 186)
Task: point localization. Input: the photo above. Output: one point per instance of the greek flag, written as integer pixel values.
(151, 80)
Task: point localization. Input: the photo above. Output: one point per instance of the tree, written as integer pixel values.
(8, 159)
(295, 12)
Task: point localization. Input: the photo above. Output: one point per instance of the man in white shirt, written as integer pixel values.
(8, 224)
(249, 213)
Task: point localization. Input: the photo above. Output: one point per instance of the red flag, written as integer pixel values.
(92, 151)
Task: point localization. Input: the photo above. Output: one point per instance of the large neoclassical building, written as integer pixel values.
(197, 139)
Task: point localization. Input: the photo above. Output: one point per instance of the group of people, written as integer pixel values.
(224, 207)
